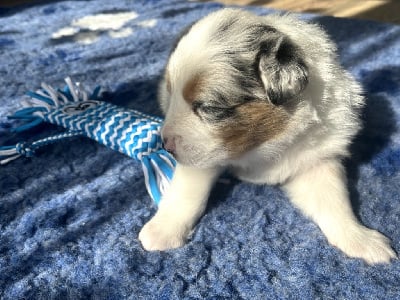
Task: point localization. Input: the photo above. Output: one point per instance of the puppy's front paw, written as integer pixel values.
(367, 244)
(162, 234)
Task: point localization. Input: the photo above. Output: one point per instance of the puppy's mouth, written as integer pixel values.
(196, 160)
(190, 155)
(174, 155)
(181, 159)
(185, 158)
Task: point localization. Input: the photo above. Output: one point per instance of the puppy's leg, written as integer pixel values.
(180, 208)
(322, 195)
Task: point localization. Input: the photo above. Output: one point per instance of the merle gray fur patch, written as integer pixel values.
(282, 69)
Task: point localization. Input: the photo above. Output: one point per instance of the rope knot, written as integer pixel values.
(25, 149)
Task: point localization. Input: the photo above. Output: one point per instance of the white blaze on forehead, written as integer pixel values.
(201, 50)
(192, 52)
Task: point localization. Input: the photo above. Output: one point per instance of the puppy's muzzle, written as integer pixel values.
(169, 140)
(169, 144)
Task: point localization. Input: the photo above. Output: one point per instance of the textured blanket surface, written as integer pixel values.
(70, 217)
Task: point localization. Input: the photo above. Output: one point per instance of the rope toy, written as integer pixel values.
(127, 131)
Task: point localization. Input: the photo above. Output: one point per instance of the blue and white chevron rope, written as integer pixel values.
(127, 131)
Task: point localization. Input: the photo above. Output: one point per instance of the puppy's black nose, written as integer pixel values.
(169, 144)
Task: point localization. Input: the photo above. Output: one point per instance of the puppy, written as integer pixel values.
(265, 98)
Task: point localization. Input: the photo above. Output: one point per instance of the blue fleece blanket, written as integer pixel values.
(70, 217)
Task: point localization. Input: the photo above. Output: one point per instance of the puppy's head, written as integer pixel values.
(227, 88)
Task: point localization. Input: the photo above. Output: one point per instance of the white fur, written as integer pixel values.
(181, 207)
(304, 159)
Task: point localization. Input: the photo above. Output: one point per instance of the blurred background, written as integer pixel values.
(378, 10)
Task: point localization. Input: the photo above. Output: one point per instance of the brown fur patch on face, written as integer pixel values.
(254, 123)
(193, 87)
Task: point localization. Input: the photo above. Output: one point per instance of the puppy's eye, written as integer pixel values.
(196, 107)
(212, 113)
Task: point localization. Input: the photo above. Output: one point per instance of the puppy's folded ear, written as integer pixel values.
(282, 69)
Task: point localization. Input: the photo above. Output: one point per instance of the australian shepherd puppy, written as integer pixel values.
(264, 97)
